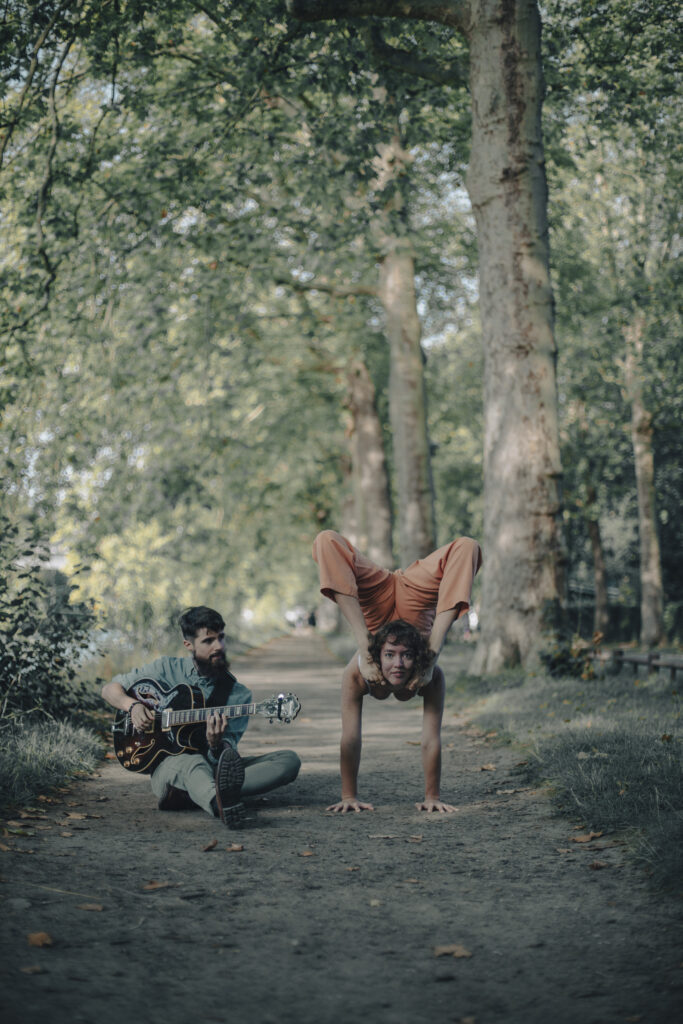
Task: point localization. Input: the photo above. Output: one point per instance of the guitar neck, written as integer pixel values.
(170, 718)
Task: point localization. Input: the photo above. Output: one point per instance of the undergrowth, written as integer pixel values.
(608, 747)
(36, 756)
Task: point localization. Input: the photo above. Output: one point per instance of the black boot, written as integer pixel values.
(229, 779)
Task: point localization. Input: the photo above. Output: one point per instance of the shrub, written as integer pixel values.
(42, 634)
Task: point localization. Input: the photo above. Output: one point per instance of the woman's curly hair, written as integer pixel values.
(401, 632)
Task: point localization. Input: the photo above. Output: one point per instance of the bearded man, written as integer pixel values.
(215, 777)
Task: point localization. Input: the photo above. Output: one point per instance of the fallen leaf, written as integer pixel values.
(151, 886)
(412, 880)
(585, 837)
(235, 848)
(210, 846)
(33, 969)
(90, 906)
(39, 939)
(354, 868)
(5, 848)
(76, 816)
(413, 743)
(457, 951)
(382, 836)
(375, 903)
(414, 839)
(490, 735)
(110, 757)
(561, 849)
(505, 792)
(488, 768)
(66, 835)
(307, 853)
(667, 737)
(598, 864)
(467, 1020)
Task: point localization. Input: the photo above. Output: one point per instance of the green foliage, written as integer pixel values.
(42, 635)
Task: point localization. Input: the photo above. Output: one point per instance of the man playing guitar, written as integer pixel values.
(194, 765)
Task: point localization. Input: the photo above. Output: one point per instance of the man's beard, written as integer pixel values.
(215, 667)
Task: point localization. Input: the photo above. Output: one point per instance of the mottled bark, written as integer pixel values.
(651, 593)
(370, 482)
(523, 585)
(415, 499)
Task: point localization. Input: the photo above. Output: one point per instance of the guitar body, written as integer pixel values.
(143, 751)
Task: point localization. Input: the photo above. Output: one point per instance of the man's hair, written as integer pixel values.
(400, 632)
(199, 617)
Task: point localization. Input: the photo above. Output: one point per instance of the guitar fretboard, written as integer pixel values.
(201, 714)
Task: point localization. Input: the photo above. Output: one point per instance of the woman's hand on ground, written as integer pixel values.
(435, 806)
(348, 805)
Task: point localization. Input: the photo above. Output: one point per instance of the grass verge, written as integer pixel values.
(35, 757)
(608, 747)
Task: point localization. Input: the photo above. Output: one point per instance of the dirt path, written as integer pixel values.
(321, 919)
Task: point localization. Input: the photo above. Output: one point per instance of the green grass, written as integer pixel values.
(608, 747)
(38, 756)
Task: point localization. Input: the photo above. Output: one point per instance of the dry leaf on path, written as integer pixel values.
(488, 768)
(5, 848)
(39, 939)
(375, 903)
(382, 836)
(414, 839)
(455, 950)
(354, 868)
(32, 969)
(210, 846)
(306, 853)
(597, 865)
(235, 848)
(585, 837)
(89, 906)
(151, 886)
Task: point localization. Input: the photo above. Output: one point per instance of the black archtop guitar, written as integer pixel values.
(180, 714)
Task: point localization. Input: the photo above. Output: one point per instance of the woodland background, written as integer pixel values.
(205, 360)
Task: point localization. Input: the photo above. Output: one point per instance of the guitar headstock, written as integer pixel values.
(284, 707)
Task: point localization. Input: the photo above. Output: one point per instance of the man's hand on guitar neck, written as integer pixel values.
(216, 724)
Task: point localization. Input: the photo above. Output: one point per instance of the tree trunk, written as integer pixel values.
(370, 482)
(601, 611)
(523, 584)
(415, 499)
(651, 595)
(523, 580)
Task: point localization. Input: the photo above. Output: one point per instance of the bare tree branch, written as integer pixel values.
(452, 72)
(445, 12)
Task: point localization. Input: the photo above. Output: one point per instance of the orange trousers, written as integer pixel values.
(437, 583)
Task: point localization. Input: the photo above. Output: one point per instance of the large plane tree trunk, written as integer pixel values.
(523, 585)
